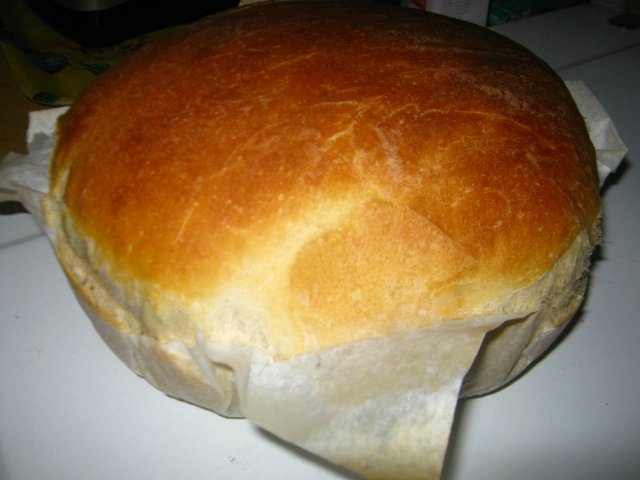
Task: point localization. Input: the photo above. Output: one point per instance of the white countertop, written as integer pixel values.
(69, 409)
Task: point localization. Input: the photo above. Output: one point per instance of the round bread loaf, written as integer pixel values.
(295, 176)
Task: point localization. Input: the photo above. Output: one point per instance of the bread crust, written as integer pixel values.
(296, 176)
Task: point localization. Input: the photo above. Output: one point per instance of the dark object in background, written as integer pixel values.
(11, 208)
(104, 23)
(627, 21)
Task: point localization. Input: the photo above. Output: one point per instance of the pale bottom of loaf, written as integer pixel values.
(505, 353)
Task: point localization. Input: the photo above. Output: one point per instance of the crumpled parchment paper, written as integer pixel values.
(382, 407)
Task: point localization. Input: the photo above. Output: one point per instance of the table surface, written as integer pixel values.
(70, 409)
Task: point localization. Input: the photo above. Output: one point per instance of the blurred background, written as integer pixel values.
(54, 48)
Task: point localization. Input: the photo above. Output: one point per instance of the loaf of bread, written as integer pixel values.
(294, 177)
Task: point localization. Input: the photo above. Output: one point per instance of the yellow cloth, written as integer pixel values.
(50, 68)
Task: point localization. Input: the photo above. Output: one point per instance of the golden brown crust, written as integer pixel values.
(295, 176)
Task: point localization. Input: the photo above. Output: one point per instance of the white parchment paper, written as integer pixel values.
(610, 150)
